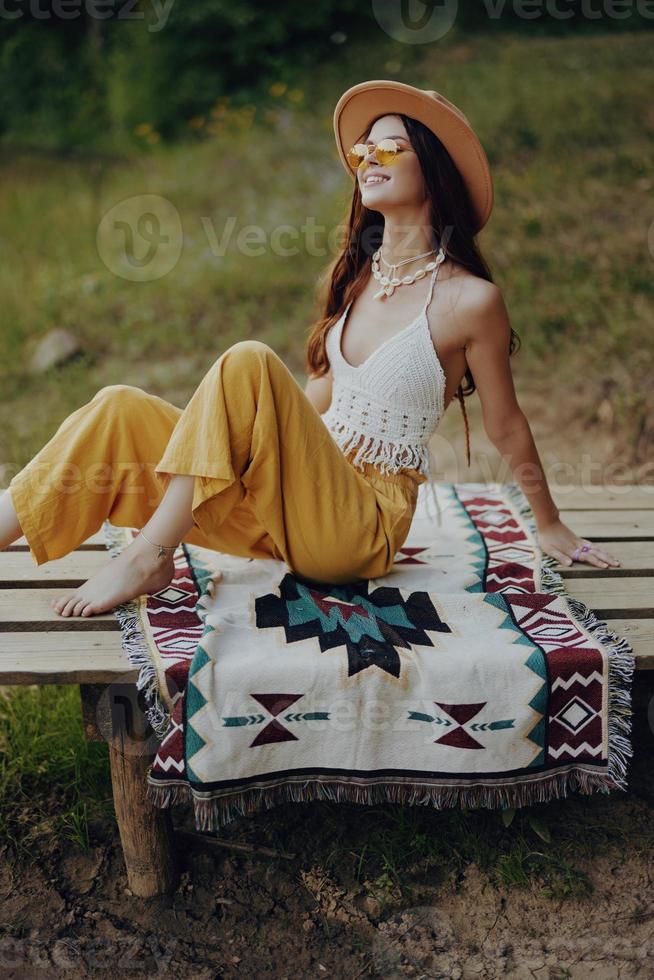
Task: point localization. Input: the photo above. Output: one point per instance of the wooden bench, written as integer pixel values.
(39, 647)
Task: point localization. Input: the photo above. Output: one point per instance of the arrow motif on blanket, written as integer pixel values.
(274, 730)
(244, 720)
(461, 713)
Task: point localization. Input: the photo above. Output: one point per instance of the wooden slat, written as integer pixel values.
(639, 633)
(605, 592)
(32, 606)
(611, 525)
(93, 658)
(632, 596)
(80, 657)
(18, 568)
(628, 497)
(96, 541)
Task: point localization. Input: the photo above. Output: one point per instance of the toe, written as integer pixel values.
(79, 605)
(67, 608)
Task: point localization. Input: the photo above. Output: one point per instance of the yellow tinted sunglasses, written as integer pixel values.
(386, 151)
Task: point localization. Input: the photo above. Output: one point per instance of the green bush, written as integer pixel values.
(86, 80)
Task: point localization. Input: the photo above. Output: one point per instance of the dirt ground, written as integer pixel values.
(236, 914)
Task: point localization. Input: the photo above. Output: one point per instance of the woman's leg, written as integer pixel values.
(136, 568)
(272, 480)
(98, 465)
(268, 481)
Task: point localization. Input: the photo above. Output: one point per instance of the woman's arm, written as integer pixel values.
(319, 391)
(488, 330)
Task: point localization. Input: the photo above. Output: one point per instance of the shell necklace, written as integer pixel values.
(390, 283)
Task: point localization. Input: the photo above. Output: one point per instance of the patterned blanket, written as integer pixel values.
(465, 677)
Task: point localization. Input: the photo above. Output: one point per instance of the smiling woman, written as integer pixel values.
(405, 175)
(422, 185)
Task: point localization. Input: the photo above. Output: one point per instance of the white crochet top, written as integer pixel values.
(394, 399)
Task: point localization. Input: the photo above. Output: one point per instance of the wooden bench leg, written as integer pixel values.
(146, 832)
(641, 781)
(114, 713)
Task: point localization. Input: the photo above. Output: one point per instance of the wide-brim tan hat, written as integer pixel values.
(361, 104)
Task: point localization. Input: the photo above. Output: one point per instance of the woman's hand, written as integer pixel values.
(559, 541)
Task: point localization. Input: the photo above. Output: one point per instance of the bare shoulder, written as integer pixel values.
(476, 305)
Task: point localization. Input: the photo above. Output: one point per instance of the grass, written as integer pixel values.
(569, 138)
(51, 779)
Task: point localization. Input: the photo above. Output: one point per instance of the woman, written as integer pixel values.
(251, 467)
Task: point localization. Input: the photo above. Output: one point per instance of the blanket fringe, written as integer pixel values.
(212, 813)
(135, 644)
(620, 653)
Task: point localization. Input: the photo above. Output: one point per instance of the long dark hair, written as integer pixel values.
(454, 225)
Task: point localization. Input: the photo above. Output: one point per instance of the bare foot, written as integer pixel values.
(136, 571)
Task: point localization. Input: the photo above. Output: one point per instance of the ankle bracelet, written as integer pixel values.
(162, 547)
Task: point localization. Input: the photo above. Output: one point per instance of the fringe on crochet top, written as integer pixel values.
(393, 401)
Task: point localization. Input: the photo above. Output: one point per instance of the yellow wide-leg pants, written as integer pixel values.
(271, 482)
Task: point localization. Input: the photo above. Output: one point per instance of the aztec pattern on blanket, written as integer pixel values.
(466, 676)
